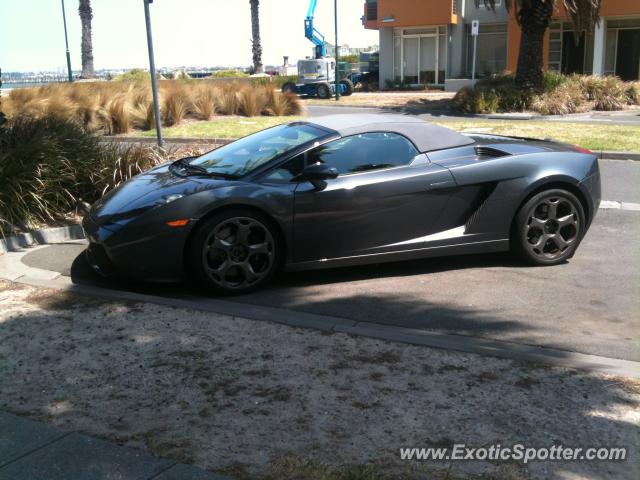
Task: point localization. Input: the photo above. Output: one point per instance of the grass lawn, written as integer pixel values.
(622, 138)
(220, 127)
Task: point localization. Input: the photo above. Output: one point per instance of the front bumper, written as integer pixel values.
(148, 252)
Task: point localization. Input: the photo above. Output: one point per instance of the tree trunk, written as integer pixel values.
(534, 20)
(86, 14)
(255, 32)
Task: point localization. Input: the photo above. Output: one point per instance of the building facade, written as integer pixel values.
(429, 41)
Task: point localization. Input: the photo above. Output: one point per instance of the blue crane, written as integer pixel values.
(312, 33)
(317, 76)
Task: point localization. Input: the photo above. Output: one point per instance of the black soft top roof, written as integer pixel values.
(425, 135)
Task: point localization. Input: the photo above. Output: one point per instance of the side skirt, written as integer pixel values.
(385, 257)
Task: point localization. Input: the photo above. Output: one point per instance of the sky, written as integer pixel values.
(186, 32)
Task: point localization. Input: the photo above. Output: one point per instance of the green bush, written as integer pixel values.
(349, 58)
(277, 80)
(136, 74)
(229, 74)
(552, 80)
(561, 94)
(44, 167)
(48, 166)
(494, 94)
(470, 100)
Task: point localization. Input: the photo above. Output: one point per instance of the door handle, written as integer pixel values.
(443, 184)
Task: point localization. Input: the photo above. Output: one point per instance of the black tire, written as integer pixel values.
(234, 252)
(289, 87)
(323, 90)
(548, 228)
(348, 87)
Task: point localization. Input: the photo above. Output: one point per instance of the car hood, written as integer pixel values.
(147, 190)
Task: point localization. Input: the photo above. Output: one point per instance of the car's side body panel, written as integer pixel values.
(475, 214)
(369, 212)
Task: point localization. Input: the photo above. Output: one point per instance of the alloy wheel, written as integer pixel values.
(238, 253)
(552, 227)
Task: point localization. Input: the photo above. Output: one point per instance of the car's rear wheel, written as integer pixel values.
(235, 251)
(549, 227)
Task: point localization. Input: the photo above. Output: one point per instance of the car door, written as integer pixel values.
(386, 198)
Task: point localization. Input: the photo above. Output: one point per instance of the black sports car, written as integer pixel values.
(344, 190)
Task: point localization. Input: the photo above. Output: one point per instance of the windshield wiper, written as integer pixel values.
(200, 170)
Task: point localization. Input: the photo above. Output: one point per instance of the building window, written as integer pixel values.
(565, 54)
(372, 10)
(491, 55)
(420, 55)
(622, 49)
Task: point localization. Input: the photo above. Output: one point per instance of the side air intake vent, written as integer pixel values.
(488, 152)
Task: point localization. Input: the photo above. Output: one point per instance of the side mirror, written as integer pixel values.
(318, 173)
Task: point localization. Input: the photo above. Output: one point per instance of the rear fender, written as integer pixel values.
(517, 177)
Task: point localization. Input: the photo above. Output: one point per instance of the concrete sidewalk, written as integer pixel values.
(34, 451)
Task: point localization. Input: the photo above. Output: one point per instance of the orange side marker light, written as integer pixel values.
(178, 223)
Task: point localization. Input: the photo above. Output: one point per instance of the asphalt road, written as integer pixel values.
(630, 117)
(591, 304)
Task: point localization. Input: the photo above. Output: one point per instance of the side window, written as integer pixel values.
(367, 151)
(286, 172)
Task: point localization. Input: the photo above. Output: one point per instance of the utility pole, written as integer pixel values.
(335, 14)
(152, 69)
(66, 41)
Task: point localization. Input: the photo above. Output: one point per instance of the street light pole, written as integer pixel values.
(66, 41)
(335, 15)
(152, 69)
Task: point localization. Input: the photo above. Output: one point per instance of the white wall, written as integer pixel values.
(386, 55)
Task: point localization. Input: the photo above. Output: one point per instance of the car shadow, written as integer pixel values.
(322, 292)
(82, 273)
(395, 269)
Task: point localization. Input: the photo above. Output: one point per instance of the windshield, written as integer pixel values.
(246, 154)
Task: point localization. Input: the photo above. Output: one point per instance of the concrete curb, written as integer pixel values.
(607, 155)
(476, 345)
(43, 236)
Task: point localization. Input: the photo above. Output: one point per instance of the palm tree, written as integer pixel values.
(86, 14)
(534, 17)
(255, 33)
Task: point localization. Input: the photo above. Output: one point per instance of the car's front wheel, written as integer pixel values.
(549, 227)
(323, 90)
(289, 87)
(235, 251)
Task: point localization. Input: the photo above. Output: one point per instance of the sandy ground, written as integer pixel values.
(255, 399)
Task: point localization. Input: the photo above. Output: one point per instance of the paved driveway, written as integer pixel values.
(628, 117)
(590, 304)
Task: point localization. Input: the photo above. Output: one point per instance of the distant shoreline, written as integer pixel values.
(12, 85)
